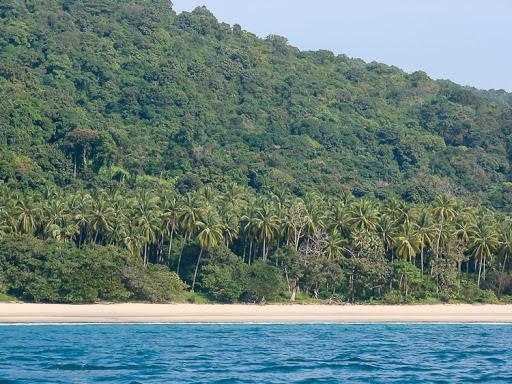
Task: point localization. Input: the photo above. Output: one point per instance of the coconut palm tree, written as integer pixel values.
(407, 243)
(80, 206)
(505, 249)
(171, 209)
(133, 240)
(26, 214)
(387, 231)
(333, 246)
(100, 218)
(340, 219)
(187, 220)
(483, 242)
(209, 234)
(189, 215)
(364, 216)
(426, 232)
(229, 223)
(445, 210)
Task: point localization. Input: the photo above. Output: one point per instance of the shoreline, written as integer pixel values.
(139, 313)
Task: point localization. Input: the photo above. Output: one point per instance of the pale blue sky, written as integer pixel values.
(466, 41)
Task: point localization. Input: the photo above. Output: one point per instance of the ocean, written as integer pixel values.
(256, 353)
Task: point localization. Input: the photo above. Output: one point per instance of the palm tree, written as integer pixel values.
(426, 232)
(187, 220)
(445, 210)
(398, 211)
(250, 229)
(229, 223)
(266, 225)
(209, 235)
(189, 215)
(387, 231)
(80, 206)
(101, 217)
(463, 226)
(407, 243)
(339, 219)
(133, 240)
(333, 246)
(505, 251)
(364, 216)
(148, 225)
(483, 242)
(171, 209)
(55, 211)
(27, 216)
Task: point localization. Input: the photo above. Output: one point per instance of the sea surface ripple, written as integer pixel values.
(256, 353)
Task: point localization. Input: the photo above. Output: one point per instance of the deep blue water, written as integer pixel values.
(256, 353)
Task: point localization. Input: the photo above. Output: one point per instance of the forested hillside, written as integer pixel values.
(135, 142)
(130, 88)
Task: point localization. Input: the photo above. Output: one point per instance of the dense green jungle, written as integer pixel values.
(147, 155)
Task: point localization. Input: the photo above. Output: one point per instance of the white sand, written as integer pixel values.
(210, 313)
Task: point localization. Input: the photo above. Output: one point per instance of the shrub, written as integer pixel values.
(51, 271)
(261, 282)
(154, 283)
(3, 287)
(470, 292)
(393, 297)
(222, 275)
(222, 282)
(162, 285)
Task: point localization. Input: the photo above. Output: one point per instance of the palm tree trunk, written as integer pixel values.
(485, 263)
(502, 273)
(170, 243)
(197, 268)
(179, 257)
(479, 273)
(295, 287)
(263, 250)
(352, 292)
(74, 165)
(437, 251)
(421, 259)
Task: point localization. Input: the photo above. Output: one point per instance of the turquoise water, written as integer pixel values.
(256, 353)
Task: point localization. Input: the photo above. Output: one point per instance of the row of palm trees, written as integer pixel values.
(158, 224)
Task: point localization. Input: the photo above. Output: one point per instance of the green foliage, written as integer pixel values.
(131, 89)
(469, 291)
(412, 286)
(42, 271)
(223, 275)
(134, 141)
(222, 282)
(49, 271)
(228, 279)
(155, 283)
(261, 282)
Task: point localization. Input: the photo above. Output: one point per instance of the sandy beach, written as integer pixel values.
(211, 313)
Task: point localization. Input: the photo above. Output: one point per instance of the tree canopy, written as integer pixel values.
(144, 152)
(93, 90)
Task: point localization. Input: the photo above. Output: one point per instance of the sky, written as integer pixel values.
(466, 41)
